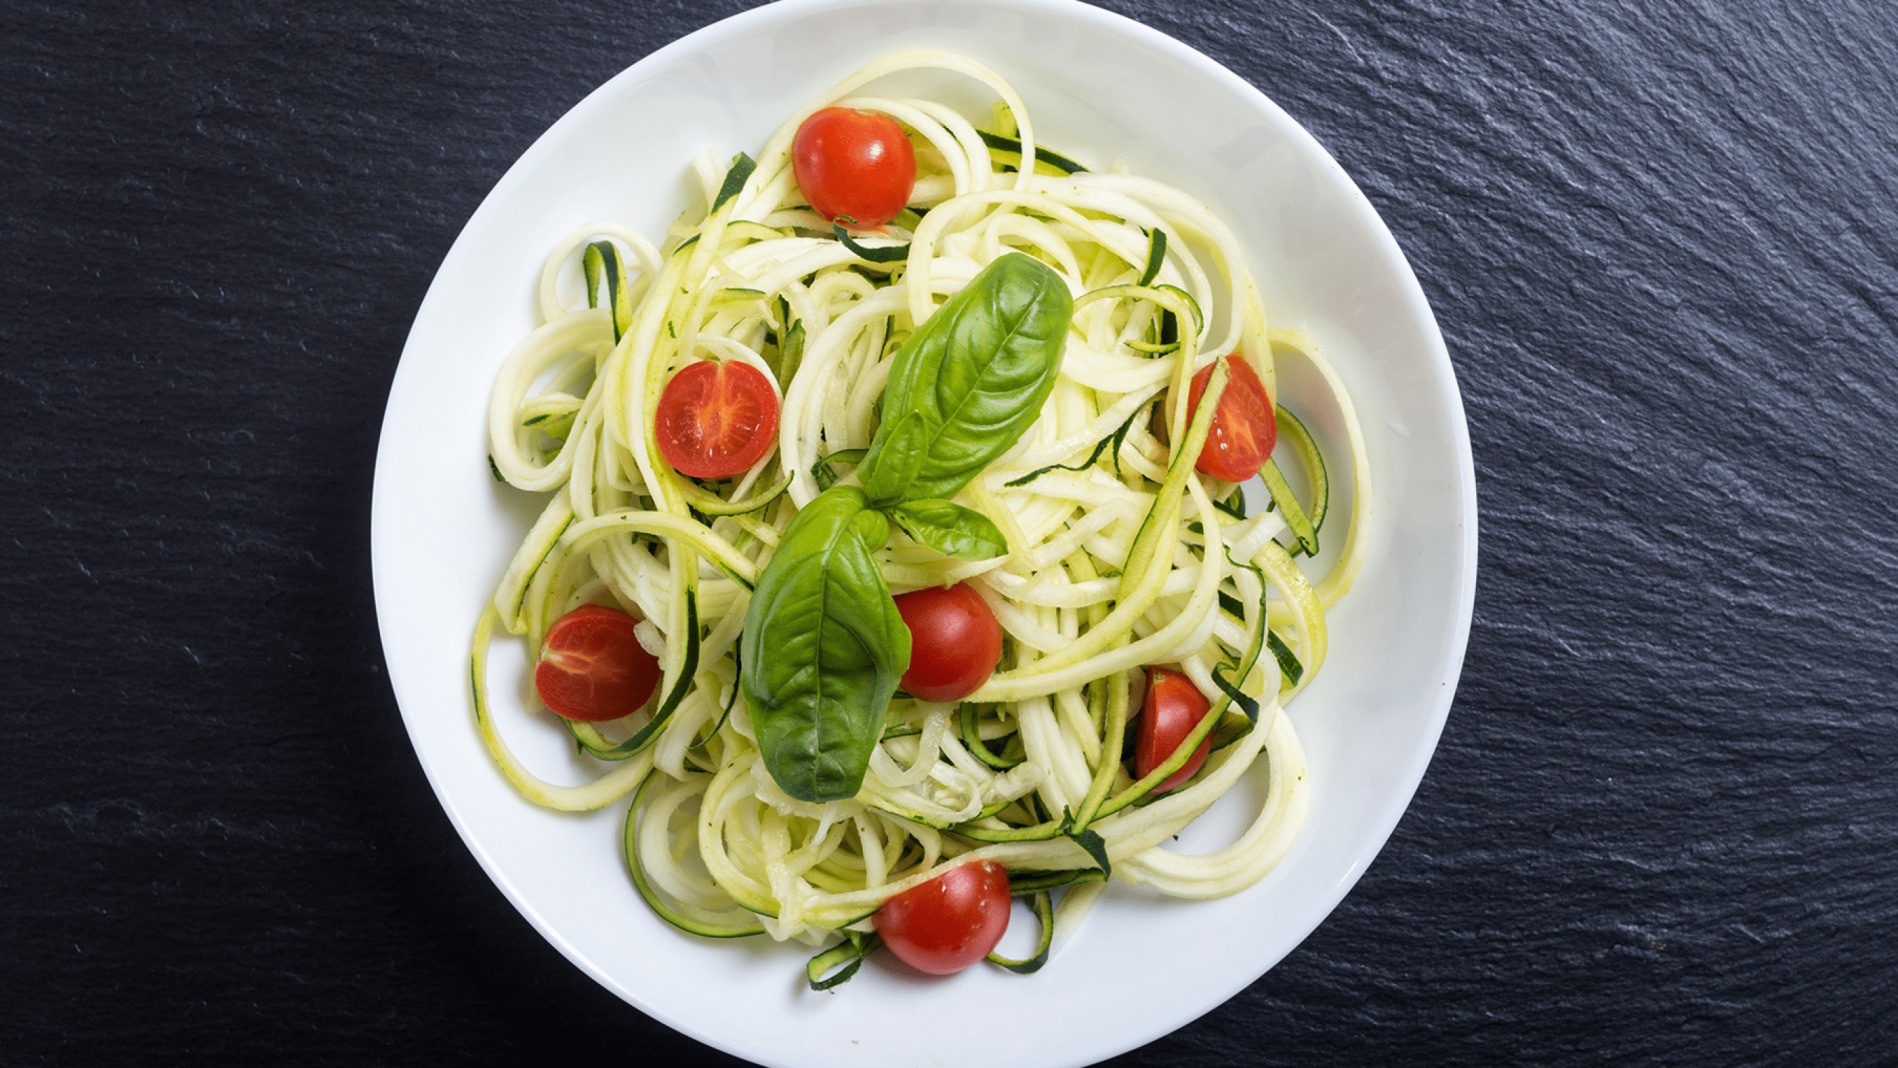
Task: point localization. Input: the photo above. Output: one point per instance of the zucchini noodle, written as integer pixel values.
(1121, 554)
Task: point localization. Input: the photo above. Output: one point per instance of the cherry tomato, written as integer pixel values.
(1174, 706)
(854, 163)
(949, 922)
(955, 642)
(716, 418)
(592, 666)
(1244, 429)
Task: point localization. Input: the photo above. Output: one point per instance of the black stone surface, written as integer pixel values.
(1662, 242)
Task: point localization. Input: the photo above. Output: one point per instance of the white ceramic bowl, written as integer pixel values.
(1102, 87)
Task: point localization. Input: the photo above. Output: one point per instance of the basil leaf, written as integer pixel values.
(973, 376)
(901, 447)
(950, 529)
(874, 529)
(823, 649)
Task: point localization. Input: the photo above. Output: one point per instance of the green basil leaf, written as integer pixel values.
(950, 529)
(974, 375)
(902, 440)
(873, 527)
(823, 649)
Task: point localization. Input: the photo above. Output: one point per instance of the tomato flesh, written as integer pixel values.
(949, 922)
(955, 642)
(1173, 707)
(716, 419)
(1244, 428)
(855, 165)
(592, 666)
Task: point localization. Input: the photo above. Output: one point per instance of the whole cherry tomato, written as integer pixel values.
(716, 419)
(1244, 428)
(592, 666)
(1174, 706)
(949, 922)
(955, 642)
(854, 163)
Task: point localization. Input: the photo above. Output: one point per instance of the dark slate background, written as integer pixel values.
(1662, 241)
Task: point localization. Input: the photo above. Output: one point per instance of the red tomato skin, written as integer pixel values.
(1244, 429)
(955, 642)
(854, 163)
(949, 922)
(716, 419)
(592, 667)
(1174, 706)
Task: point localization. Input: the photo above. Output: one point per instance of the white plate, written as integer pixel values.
(1097, 85)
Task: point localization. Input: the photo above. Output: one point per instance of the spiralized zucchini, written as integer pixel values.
(1121, 555)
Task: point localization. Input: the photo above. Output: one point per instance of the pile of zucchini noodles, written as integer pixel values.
(1029, 771)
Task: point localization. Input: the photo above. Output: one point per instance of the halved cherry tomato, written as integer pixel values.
(1174, 706)
(955, 642)
(716, 418)
(949, 922)
(1244, 429)
(592, 666)
(854, 163)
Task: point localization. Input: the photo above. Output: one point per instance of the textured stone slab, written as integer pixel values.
(1662, 241)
